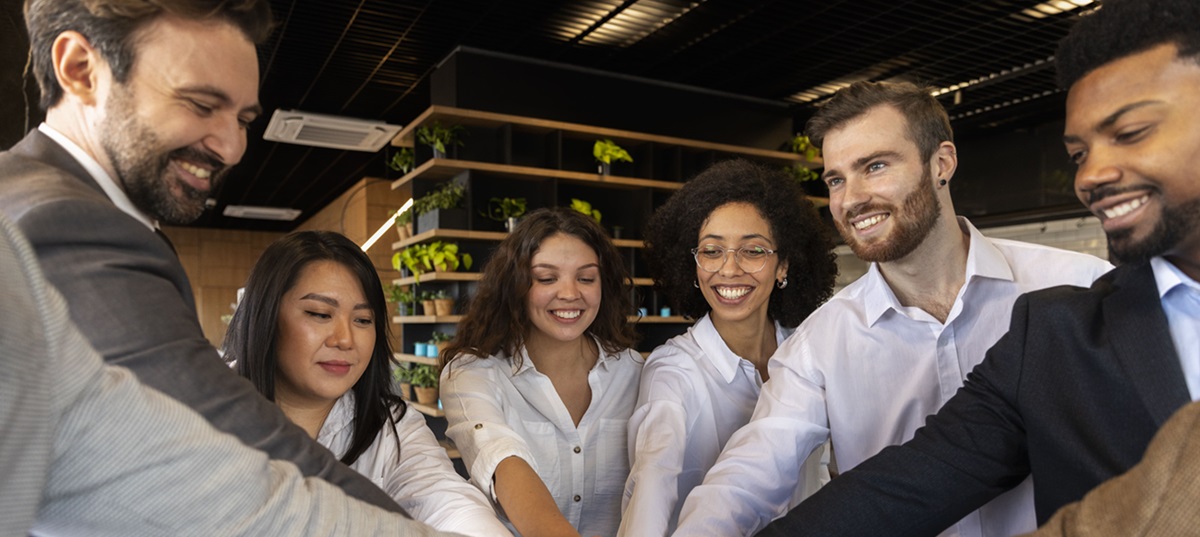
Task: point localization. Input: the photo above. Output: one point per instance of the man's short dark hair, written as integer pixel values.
(1124, 27)
(110, 26)
(928, 124)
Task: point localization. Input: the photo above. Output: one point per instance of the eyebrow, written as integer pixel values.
(554, 267)
(866, 160)
(220, 96)
(1112, 118)
(327, 300)
(744, 237)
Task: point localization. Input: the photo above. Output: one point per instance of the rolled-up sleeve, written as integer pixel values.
(472, 399)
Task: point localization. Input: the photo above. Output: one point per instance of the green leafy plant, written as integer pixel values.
(801, 145)
(404, 218)
(402, 160)
(413, 258)
(440, 294)
(607, 151)
(585, 208)
(438, 337)
(444, 256)
(402, 374)
(501, 209)
(424, 295)
(398, 294)
(424, 376)
(447, 196)
(439, 137)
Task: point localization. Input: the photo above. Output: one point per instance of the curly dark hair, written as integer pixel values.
(496, 319)
(252, 340)
(1120, 28)
(803, 240)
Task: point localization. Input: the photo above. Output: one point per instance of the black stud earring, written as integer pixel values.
(942, 182)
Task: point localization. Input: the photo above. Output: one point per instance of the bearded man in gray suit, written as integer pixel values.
(147, 104)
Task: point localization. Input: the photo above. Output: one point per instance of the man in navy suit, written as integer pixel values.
(1085, 377)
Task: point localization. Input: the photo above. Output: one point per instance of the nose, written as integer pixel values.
(1099, 169)
(730, 266)
(853, 195)
(341, 338)
(226, 139)
(568, 289)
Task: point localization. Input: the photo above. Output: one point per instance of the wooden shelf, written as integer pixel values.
(643, 282)
(426, 319)
(401, 357)
(468, 235)
(656, 319)
(427, 410)
(427, 277)
(451, 450)
(460, 116)
(445, 168)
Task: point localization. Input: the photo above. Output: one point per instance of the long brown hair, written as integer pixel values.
(496, 320)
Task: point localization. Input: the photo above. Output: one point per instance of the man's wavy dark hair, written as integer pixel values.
(802, 239)
(1124, 27)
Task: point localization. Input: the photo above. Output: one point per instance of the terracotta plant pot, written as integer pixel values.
(441, 347)
(404, 231)
(406, 391)
(428, 307)
(426, 396)
(443, 306)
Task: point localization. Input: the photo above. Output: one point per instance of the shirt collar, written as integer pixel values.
(1168, 276)
(340, 417)
(527, 364)
(715, 350)
(984, 260)
(102, 178)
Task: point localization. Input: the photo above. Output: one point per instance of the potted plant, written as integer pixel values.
(402, 160)
(411, 259)
(425, 382)
(506, 210)
(585, 208)
(427, 306)
(606, 151)
(440, 207)
(439, 340)
(402, 297)
(442, 303)
(403, 377)
(404, 224)
(439, 138)
(800, 171)
(444, 257)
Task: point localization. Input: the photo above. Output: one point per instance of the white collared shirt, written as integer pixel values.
(114, 192)
(1180, 297)
(496, 411)
(695, 392)
(420, 477)
(866, 371)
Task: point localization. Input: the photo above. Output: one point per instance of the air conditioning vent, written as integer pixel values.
(307, 128)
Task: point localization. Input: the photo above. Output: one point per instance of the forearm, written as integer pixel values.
(527, 502)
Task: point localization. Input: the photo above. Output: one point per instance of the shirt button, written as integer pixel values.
(578, 498)
(578, 449)
(478, 426)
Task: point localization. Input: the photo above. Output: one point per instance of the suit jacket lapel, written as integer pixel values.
(1140, 337)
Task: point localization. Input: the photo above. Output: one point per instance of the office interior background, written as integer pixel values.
(533, 83)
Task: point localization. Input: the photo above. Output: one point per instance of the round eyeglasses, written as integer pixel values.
(711, 257)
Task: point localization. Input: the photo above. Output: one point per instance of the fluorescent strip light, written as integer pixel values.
(387, 224)
(261, 213)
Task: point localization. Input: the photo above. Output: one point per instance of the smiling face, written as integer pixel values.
(171, 132)
(565, 295)
(326, 335)
(1132, 130)
(734, 294)
(881, 192)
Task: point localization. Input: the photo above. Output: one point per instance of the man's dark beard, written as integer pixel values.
(1173, 227)
(917, 216)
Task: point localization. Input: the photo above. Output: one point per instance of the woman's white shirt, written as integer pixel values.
(421, 478)
(496, 410)
(695, 392)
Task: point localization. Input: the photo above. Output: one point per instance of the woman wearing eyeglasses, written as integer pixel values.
(743, 251)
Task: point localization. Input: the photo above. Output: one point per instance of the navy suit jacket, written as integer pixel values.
(129, 295)
(1072, 394)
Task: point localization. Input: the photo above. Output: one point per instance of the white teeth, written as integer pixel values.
(732, 293)
(1125, 208)
(864, 224)
(567, 314)
(194, 170)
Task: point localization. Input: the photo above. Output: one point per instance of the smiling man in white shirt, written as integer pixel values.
(870, 365)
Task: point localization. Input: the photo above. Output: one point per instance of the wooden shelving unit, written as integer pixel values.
(444, 168)
(426, 319)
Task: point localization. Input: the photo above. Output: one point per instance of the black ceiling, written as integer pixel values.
(373, 59)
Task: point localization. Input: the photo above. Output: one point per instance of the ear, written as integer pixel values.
(781, 271)
(77, 66)
(945, 161)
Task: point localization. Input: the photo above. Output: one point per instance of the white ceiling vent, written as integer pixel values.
(307, 128)
(261, 213)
